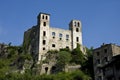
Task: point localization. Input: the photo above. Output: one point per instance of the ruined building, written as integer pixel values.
(106, 62)
(41, 38)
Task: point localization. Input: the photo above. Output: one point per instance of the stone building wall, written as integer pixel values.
(101, 57)
(61, 39)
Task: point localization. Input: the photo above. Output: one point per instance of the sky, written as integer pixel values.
(100, 19)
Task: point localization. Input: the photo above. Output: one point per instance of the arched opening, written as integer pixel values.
(77, 29)
(43, 17)
(46, 69)
(46, 17)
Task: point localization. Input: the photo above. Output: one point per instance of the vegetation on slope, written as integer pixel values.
(14, 59)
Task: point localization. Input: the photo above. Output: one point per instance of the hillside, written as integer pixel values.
(15, 64)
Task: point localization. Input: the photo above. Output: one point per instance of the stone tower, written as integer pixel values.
(76, 33)
(43, 24)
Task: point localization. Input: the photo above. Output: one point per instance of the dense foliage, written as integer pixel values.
(15, 58)
(76, 75)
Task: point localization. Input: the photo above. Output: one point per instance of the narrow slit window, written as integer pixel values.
(44, 42)
(46, 17)
(78, 24)
(43, 17)
(44, 33)
(77, 39)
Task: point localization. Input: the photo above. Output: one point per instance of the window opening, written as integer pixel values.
(77, 29)
(98, 61)
(106, 59)
(46, 69)
(53, 45)
(105, 50)
(67, 47)
(46, 17)
(44, 33)
(44, 42)
(75, 24)
(98, 53)
(77, 39)
(67, 37)
(43, 17)
(44, 23)
(44, 48)
(60, 35)
(53, 33)
(78, 24)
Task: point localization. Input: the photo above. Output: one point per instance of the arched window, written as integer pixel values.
(46, 17)
(46, 69)
(77, 29)
(43, 17)
(74, 23)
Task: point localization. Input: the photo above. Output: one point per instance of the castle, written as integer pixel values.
(41, 38)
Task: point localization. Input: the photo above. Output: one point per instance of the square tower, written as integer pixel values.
(76, 33)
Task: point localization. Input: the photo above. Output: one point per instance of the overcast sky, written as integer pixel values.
(100, 18)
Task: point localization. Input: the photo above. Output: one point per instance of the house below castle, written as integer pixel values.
(106, 62)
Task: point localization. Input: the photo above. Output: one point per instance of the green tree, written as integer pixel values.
(63, 59)
(78, 56)
(87, 67)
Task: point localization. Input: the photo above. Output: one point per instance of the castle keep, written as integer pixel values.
(41, 38)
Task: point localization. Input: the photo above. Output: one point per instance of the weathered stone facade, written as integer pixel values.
(111, 70)
(101, 57)
(42, 37)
